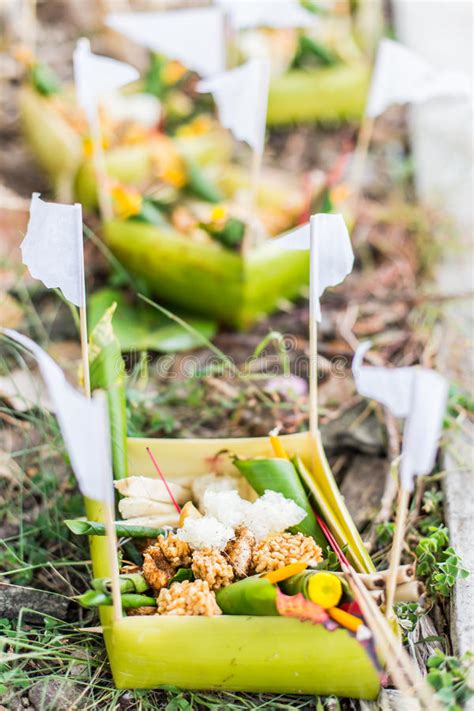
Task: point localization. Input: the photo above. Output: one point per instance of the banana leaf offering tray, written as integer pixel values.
(227, 579)
(181, 218)
(185, 214)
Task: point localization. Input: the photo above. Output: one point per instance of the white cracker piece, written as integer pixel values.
(144, 487)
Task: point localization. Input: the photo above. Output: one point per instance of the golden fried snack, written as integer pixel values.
(211, 566)
(275, 552)
(188, 598)
(157, 571)
(176, 551)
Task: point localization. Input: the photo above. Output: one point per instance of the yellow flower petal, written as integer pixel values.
(173, 72)
(218, 213)
(339, 194)
(127, 202)
(175, 176)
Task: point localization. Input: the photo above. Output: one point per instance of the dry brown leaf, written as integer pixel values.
(9, 469)
(24, 390)
(13, 222)
(336, 390)
(11, 313)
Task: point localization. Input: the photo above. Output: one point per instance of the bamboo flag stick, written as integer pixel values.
(29, 25)
(241, 97)
(100, 170)
(313, 336)
(114, 568)
(313, 339)
(360, 158)
(95, 76)
(419, 395)
(109, 522)
(53, 251)
(253, 236)
(397, 545)
(84, 351)
(82, 302)
(331, 260)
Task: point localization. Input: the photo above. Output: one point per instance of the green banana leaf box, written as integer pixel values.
(235, 289)
(253, 654)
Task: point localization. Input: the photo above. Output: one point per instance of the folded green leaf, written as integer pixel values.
(93, 598)
(280, 475)
(199, 184)
(182, 574)
(231, 235)
(311, 52)
(129, 583)
(152, 81)
(122, 528)
(45, 81)
(150, 213)
(250, 596)
(107, 372)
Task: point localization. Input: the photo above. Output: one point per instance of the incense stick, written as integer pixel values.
(162, 477)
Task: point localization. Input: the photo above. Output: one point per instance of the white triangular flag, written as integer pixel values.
(194, 36)
(83, 422)
(95, 76)
(53, 247)
(241, 96)
(423, 425)
(390, 386)
(330, 246)
(401, 76)
(245, 14)
(417, 394)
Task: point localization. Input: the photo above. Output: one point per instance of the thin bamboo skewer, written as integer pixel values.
(111, 538)
(402, 669)
(84, 351)
(397, 545)
(360, 158)
(100, 170)
(252, 237)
